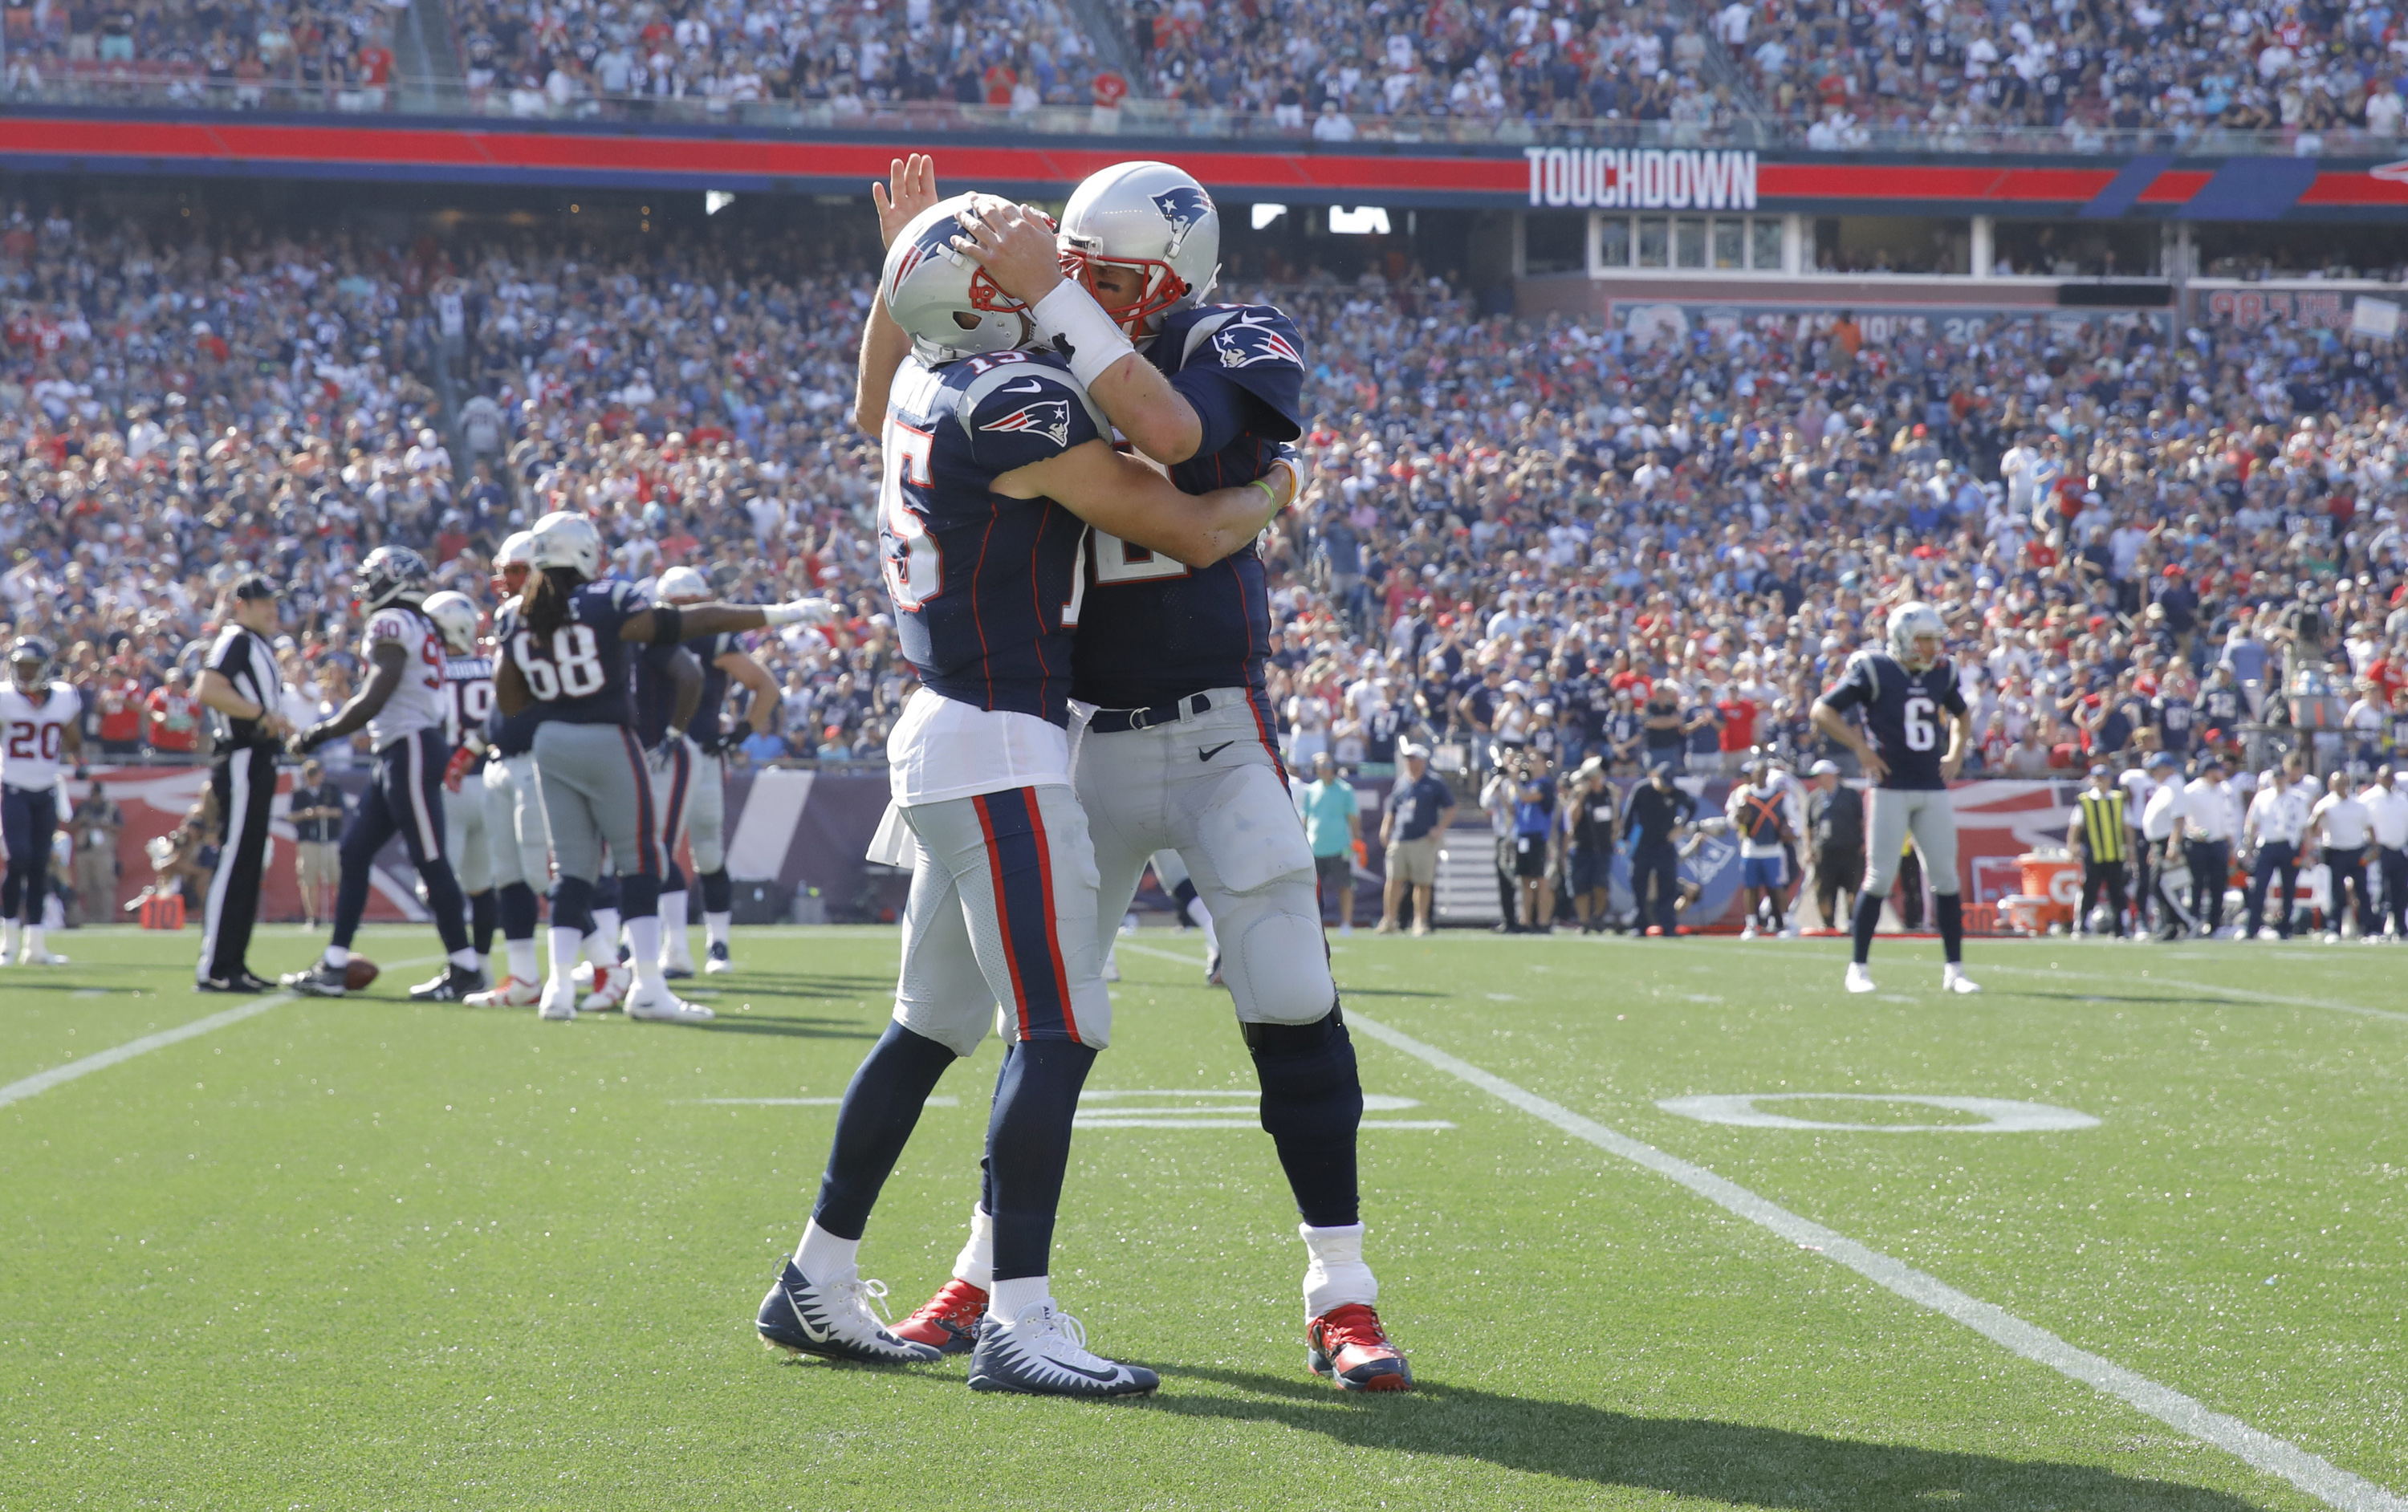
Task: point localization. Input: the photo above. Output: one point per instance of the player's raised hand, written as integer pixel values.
(913, 182)
(1016, 247)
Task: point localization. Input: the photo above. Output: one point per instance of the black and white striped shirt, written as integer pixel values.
(249, 663)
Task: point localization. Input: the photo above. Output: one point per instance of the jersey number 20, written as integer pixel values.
(1921, 734)
(28, 742)
(574, 667)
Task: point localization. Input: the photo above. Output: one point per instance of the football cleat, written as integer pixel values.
(1859, 980)
(558, 1002)
(948, 1322)
(454, 986)
(658, 1005)
(1213, 970)
(832, 1320)
(716, 963)
(40, 958)
(1952, 979)
(320, 981)
(677, 961)
(509, 992)
(1044, 1352)
(242, 981)
(1347, 1347)
(611, 984)
(1749, 932)
(580, 976)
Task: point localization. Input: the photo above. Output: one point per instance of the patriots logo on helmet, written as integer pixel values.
(936, 241)
(1245, 341)
(1185, 209)
(1048, 418)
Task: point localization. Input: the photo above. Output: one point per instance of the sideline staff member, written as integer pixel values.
(1419, 809)
(240, 685)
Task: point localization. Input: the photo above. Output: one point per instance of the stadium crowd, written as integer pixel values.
(301, 55)
(1573, 541)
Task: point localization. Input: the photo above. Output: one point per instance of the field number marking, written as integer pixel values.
(1999, 1114)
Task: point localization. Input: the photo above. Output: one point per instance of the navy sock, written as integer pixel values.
(639, 895)
(718, 892)
(1950, 906)
(880, 1110)
(1869, 909)
(483, 918)
(351, 899)
(572, 904)
(1028, 1147)
(515, 905)
(1312, 1105)
(444, 902)
(1181, 897)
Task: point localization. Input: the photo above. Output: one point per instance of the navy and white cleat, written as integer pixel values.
(717, 963)
(832, 1320)
(1044, 1352)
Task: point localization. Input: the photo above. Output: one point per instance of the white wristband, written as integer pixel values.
(803, 612)
(1071, 314)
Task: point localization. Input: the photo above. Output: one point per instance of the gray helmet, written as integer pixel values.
(1150, 216)
(926, 284)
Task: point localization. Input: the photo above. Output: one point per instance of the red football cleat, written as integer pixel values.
(1655, 931)
(947, 1322)
(1348, 1347)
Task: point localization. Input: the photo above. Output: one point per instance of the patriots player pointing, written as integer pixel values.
(1907, 695)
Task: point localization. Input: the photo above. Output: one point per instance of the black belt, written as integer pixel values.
(1112, 721)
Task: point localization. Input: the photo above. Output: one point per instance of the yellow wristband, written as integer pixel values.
(1270, 493)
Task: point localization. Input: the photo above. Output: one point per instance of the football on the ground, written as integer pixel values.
(358, 974)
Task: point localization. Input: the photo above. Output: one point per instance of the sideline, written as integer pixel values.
(2318, 1476)
(42, 1081)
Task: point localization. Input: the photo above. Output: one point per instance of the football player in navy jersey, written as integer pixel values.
(1917, 731)
(1178, 751)
(565, 651)
(995, 471)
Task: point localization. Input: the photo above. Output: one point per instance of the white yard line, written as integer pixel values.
(42, 1081)
(2318, 1476)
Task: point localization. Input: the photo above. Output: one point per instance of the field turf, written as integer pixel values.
(366, 1254)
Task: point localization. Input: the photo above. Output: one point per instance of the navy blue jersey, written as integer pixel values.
(706, 726)
(580, 675)
(1901, 713)
(512, 735)
(1151, 630)
(983, 585)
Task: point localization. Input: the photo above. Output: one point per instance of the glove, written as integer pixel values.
(463, 762)
(658, 756)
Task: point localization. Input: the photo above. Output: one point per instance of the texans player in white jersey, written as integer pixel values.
(699, 765)
(1907, 695)
(37, 727)
(401, 707)
(467, 703)
(1177, 749)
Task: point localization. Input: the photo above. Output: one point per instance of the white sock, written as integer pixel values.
(9, 932)
(644, 941)
(822, 1257)
(1010, 1299)
(1203, 917)
(602, 945)
(565, 944)
(1336, 1273)
(976, 1263)
(33, 939)
(466, 959)
(673, 925)
(522, 958)
(338, 956)
(715, 926)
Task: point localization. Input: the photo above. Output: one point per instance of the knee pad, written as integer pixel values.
(573, 905)
(606, 891)
(639, 895)
(718, 892)
(673, 879)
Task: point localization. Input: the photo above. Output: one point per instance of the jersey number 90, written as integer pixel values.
(574, 669)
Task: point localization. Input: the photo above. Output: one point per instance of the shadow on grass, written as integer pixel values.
(1721, 1462)
(2166, 1000)
(757, 1024)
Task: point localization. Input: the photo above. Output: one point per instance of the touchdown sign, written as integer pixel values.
(1643, 178)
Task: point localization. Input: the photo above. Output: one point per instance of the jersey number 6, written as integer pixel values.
(1921, 734)
(574, 667)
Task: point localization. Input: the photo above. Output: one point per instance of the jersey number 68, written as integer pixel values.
(574, 667)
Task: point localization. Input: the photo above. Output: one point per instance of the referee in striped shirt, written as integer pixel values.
(240, 685)
(2098, 830)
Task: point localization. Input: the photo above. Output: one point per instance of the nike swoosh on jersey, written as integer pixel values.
(1032, 386)
(1204, 755)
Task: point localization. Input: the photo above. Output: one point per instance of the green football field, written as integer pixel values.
(367, 1254)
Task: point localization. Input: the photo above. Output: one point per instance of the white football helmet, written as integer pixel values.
(944, 301)
(565, 538)
(681, 585)
(1150, 216)
(456, 615)
(1917, 635)
(511, 562)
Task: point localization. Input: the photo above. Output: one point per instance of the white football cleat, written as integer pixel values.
(509, 992)
(1859, 980)
(658, 1005)
(1952, 979)
(559, 1001)
(580, 976)
(1044, 1353)
(716, 963)
(611, 984)
(1750, 931)
(42, 958)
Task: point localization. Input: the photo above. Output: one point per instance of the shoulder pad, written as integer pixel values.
(1032, 397)
(1245, 336)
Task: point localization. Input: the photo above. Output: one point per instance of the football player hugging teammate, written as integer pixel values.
(1916, 730)
(996, 468)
